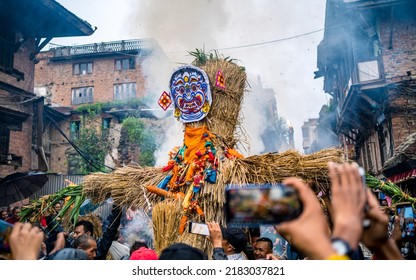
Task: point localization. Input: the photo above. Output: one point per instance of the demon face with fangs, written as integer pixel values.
(191, 94)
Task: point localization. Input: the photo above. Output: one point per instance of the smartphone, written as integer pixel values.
(406, 217)
(261, 204)
(5, 230)
(198, 228)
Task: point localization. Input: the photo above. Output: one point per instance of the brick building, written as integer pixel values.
(367, 59)
(108, 78)
(26, 27)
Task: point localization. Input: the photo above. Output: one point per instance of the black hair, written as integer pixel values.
(255, 231)
(182, 251)
(266, 239)
(236, 237)
(82, 241)
(88, 226)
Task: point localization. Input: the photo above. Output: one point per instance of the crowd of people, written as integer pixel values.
(354, 227)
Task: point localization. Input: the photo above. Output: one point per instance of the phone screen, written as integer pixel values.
(5, 230)
(199, 228)
(257, 204)
(406, 218)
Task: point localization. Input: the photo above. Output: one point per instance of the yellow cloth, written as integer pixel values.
(338, 258)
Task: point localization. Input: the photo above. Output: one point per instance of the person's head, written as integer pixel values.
(57, 207)
(262, 247)
(182, 251)
(88, 244)
(16, 212)
(254, 235)
(234, 240)
(83, 227)
(68, 254)
(384, 202)
(137, 245)
(144, 253)
(4, 214)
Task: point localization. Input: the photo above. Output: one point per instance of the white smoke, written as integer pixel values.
(172, 137)
(139, 229)
(286, 66)
(180, 26)
(157, 72)
(253, 121)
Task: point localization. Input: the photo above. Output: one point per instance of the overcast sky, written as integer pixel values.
(240, 29)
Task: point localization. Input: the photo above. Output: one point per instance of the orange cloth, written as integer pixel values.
(194, 142)
(235, 153)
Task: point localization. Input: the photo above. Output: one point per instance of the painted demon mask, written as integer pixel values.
(191, 94)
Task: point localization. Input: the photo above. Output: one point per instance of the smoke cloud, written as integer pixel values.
(238, 29)
(139, 229)
(287, 66)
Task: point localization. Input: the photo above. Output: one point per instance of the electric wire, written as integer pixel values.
(84, 155)
(237, 47)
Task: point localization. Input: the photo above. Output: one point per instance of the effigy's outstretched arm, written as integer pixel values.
(126, 186)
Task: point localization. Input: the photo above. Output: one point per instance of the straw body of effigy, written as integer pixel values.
(127, 188)
(224, 116)
(127, 185)
(268, 168)
(165, 218)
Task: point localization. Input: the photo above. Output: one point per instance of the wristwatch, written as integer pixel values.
(341, 247)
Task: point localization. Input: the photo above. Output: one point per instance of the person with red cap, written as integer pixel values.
(144, 253)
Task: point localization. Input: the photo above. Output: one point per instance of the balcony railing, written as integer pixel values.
(105, 47)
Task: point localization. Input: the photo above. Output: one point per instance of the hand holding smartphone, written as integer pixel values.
(198, 228)
(405, 213)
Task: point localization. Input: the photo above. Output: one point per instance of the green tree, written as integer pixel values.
(141, 135)
(93, 147)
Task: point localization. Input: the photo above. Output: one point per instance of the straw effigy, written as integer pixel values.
(127, 185)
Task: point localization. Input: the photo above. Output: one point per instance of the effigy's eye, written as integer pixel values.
(193, 87)
(182, 90)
